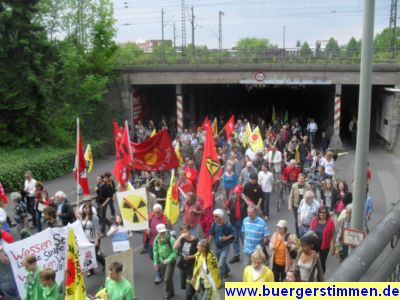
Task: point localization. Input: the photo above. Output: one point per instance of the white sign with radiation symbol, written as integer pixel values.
(133, 209)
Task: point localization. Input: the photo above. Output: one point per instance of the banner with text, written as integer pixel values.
(49, 247)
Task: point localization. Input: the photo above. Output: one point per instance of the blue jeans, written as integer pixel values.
(237, 231)
(222, 255)
(38, 220)
(303, 230)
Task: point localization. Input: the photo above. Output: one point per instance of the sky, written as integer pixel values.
(304, 20)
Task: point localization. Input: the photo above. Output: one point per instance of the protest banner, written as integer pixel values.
(50, 248)
(120, 241)
(133, 208)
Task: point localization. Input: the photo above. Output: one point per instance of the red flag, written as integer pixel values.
(210, 170)
(155, 153)
(80, 173)
(117, 137)
(229, 127)
(124, 157)
(3, 195)
(206, 123)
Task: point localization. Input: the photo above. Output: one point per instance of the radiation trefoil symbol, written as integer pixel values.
(134, 208)
(212, 166)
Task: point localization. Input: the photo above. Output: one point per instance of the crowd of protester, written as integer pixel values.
(295, 157)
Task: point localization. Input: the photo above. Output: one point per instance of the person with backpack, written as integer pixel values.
(164, 255)
(283, 246)
(223, 236)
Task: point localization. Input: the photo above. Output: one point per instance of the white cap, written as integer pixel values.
(161, 228)
(282, 224)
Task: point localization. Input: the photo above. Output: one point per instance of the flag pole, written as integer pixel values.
(130, 152)
(77, 162)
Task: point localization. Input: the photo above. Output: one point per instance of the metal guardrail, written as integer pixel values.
(127, 57)
(354, 267)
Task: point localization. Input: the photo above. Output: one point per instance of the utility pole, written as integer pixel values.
(364, 116)
(162, 33)
(192, 22)
(174, 36)
(392, 27)
(284, 39)
(183, 26)
(220, 31)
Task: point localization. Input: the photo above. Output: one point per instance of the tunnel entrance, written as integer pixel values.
(253, 102)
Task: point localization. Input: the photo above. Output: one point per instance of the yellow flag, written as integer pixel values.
(74, 282)
(172, 201)
(246, 135)
(179, 154)
(214, 127)
(273, 118)
(154, 132)
(89, 158)
(129, 186)
(255, 140)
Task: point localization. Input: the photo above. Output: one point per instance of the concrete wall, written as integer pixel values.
(246, 74)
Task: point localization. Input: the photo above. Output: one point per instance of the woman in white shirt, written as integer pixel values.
(329, 163)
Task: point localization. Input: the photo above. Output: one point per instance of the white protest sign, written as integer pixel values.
(120, 241)
(49, 247)
(133, 209)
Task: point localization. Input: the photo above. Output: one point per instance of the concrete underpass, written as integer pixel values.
(254, 101)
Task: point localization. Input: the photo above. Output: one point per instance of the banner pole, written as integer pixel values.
(77, 162)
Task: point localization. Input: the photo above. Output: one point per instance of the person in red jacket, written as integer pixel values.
(324, 227)
(291, 173)
(184, 186)
(191, 173)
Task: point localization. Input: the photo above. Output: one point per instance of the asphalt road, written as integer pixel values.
(384, 190)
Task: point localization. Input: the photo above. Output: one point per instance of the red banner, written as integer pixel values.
(229, 127)
(210, 170)
(80, 174)
(3, 195)
(123, 157)
(154, 154)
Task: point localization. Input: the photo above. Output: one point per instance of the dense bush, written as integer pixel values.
(45, 163)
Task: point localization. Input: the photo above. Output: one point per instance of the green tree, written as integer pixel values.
(353, 48)
(249, 47)
(305, 50)
(25, 55)
(332, 48)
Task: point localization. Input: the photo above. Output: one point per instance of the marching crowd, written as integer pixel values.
(290, 166)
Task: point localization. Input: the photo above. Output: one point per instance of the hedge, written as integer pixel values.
(45, 163)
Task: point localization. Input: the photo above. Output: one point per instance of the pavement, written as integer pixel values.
(384, 190)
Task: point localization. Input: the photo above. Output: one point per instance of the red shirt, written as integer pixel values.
(290, 174)
(191, 174)
(237, 209)
(189, 216)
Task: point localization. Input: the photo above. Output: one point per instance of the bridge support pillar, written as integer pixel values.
(336, 142)
(179, 107)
